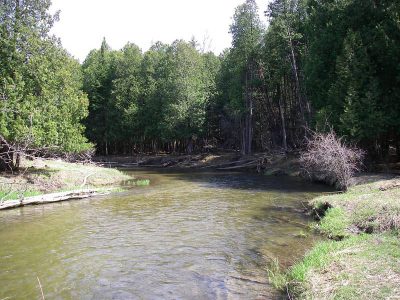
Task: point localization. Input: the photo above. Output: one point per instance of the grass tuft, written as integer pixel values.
(335, 224)
(142, 182)
(277, 277)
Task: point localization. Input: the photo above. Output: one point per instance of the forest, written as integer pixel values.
(316, 66)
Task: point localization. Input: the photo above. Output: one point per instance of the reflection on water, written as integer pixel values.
(186, 236)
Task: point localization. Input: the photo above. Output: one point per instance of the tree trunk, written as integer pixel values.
(297, 80)
(250, 124)
(283, 126)
(18, 161)
(247, 132)
(6, 159)
(189, 147)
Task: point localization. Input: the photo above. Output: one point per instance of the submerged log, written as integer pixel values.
(54, 197)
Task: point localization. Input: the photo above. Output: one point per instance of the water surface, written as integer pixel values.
(186, 236)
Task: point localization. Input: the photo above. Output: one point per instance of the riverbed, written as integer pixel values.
(187, 235)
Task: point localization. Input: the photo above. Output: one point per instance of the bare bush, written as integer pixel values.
(11, 153)
(81, 157)
(328, 159)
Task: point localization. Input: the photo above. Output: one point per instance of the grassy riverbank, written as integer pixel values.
(362, 259)
(41, 176)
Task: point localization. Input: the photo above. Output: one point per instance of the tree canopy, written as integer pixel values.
(318, 65)
(42, 102)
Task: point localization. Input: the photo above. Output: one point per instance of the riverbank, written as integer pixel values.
(277, 163)
(61, 179)
(362, 258)
(44, 180)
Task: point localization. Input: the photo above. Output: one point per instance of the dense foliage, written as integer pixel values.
(149, 102)
(41, 97)
(318, 64)
(352, 69)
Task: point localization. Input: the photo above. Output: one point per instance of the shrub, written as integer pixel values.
(328, 159)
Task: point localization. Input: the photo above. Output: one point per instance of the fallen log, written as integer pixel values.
(54, 197)
(117, 164)
(227, 164)
(252, 163)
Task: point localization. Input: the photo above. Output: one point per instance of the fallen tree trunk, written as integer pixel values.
(253, 163)
(54, 197)
(117, 164)
(229, 164)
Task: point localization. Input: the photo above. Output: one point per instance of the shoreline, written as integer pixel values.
(361, 259)
(277, 163)
(54, 197)
(42, 181)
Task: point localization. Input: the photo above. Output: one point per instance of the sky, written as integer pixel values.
(84, 23)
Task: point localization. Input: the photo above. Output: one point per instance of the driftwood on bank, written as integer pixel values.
(227, 164)
(194, 162)
(114, 164)
(54, 197)
(253, 163)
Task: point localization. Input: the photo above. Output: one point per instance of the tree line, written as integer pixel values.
(317, 65)
(152, 101)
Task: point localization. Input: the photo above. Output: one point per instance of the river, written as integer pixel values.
(197, 235)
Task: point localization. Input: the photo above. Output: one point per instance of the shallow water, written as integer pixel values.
(186, 236)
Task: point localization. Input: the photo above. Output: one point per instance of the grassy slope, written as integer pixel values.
(359, 267)
(371, 207)
(363, 259)
(44, 176)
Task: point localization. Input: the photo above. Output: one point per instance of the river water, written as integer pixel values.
(185, 236)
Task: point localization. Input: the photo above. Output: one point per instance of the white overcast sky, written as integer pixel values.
(84, 23)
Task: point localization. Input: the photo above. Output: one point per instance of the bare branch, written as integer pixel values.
(328, 159)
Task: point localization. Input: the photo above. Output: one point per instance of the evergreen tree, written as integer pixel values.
(40, 85)
(352, 65)
(99, 73)
(246, 33)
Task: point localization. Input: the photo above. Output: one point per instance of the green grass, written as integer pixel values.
(335, 224)
(359, 267)
(277, 277)
(142, 182)
(367, 208)
(4, 196)
(362, 259)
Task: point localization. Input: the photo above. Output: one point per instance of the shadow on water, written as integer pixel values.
(235, 180)
(187, 235)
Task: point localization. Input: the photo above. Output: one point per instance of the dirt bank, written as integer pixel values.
(269, 163)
